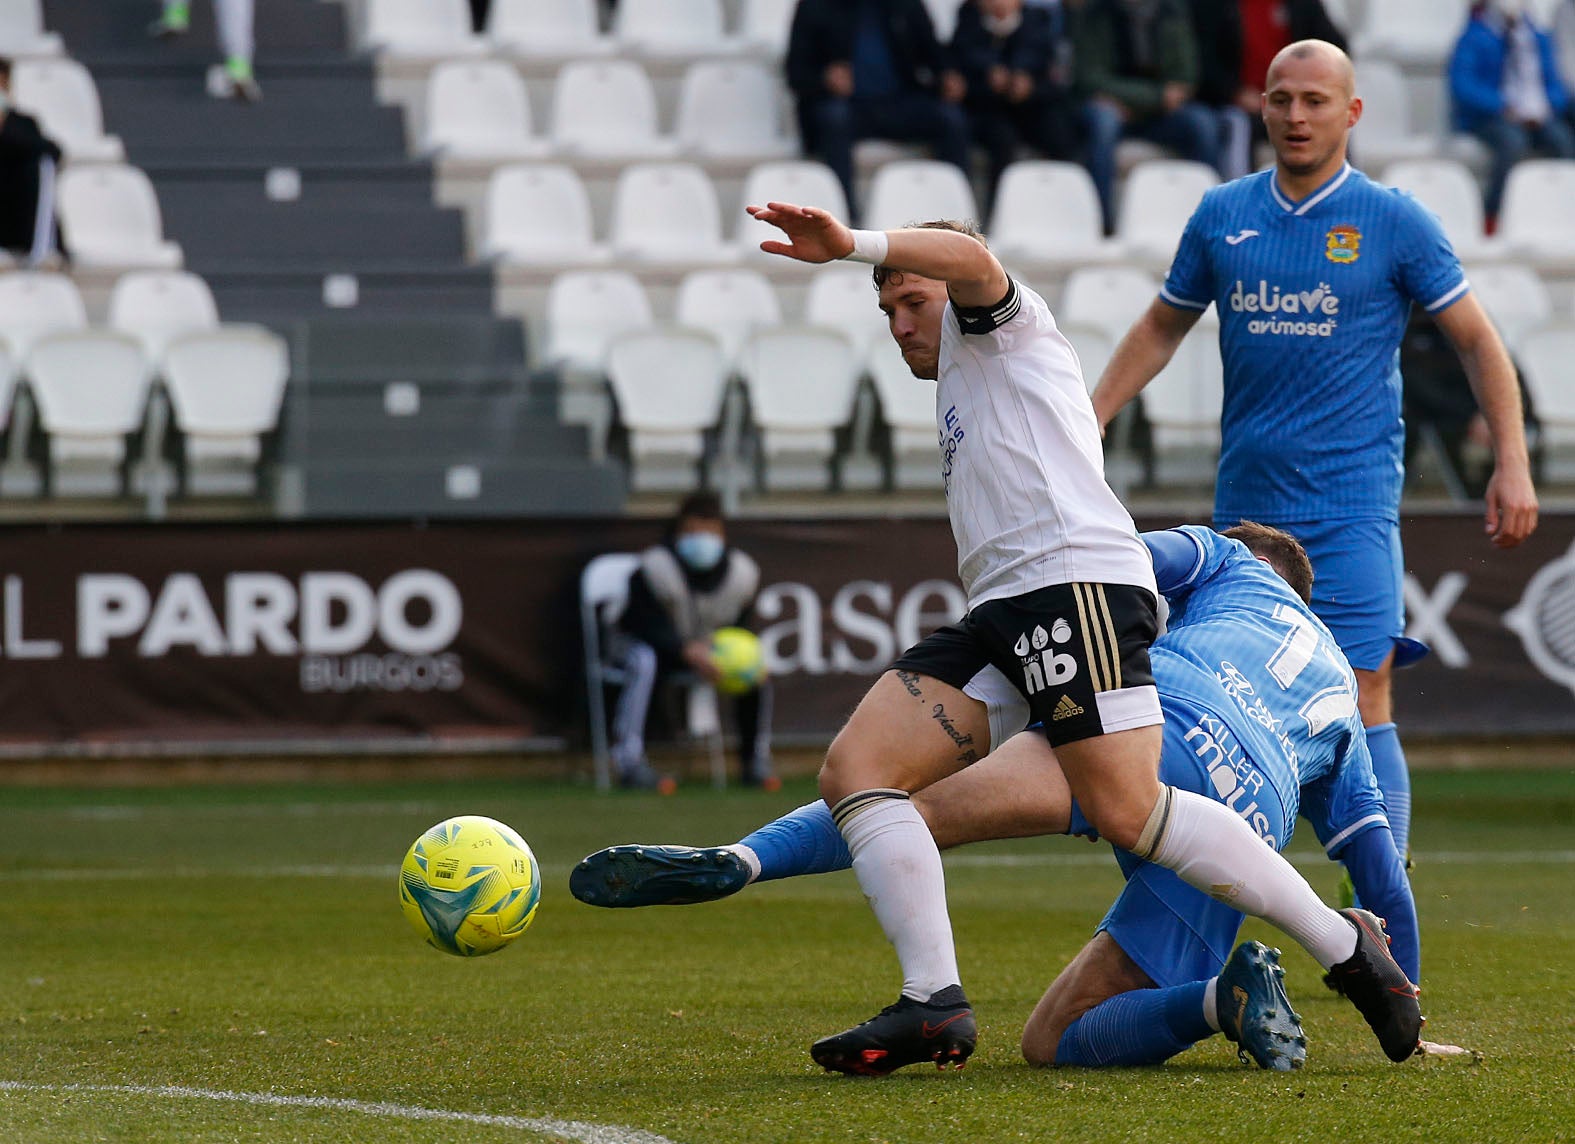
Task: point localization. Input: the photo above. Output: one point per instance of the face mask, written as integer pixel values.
(701, 551)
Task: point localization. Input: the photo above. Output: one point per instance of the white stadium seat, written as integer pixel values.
(907, 406)
(9, 367)
(844, 297)
(802, 181)
(1448, 189)
(1544, 357)
(764, 25)
(665, 29)
(22, 30)
(1386, 132)
(91, 389)
(586, 311)
(225, 387)
(728, 304)
(667, 213)
(943, 14)
(1415, 33)
(732, 109)
(479, 109)
(1514, 297)
(1183, 403)
(111, 216)
(37, 302)
(547, 29)
(1536, 221)
(1109, 297)
(1047, 213)
(606, 109)
(420, 29)
(1092, 342)
(669, 384)
(918, 190)
(802, 381)
(539, 214)
(155, 306)
(62, 94)
(1157, 200)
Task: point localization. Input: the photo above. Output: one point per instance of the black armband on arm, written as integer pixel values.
(983, 319)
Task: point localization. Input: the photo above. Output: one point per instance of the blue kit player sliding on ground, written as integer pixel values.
(1260, 713)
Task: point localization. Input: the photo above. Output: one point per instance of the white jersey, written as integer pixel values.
(1022, 460)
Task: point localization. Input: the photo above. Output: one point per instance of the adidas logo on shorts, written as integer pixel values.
(1065, 709)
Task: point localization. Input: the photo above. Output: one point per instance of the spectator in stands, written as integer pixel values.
(1236, 40)
(872, 69)
(686, 588)
(479, 10)
(1505, 89)
(1015, 63)
(28, 161)
(1564, 50)
(1137, 67)
(234, 19)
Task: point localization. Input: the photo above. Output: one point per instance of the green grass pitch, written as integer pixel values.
(228, 964)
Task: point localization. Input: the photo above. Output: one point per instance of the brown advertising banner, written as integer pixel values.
(114, 636)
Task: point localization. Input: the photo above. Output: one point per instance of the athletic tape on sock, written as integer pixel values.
(1153, 832)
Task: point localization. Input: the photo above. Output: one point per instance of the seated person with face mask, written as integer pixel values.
(686, 588)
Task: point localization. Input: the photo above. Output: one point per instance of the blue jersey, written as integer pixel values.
(1260, 696)
(1313, 299)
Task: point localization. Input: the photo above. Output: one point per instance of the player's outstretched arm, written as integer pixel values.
(1147, 348)
(972, 275)
(1511, 498)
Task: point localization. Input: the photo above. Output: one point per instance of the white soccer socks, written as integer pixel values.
(899, 869)
(1210, 847)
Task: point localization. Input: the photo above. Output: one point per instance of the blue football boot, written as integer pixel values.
(1254, 1011)
(622, 877)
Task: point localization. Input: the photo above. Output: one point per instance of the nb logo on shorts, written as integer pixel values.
(1042, 665)
(1065, 709)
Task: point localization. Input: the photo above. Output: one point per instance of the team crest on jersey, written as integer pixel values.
(1342, 244)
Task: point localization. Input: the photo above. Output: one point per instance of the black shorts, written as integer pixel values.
(1078, 653)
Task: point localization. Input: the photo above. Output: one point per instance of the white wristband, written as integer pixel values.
(868, 246)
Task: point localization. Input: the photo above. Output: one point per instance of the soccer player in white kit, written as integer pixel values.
(1062, 602)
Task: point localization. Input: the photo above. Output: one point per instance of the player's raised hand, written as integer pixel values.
(813, 235)
(1511, 507)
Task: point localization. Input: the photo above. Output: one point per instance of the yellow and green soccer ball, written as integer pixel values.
(470, 885)
(737, 655)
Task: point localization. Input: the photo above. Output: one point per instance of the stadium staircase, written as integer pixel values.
(304, 212)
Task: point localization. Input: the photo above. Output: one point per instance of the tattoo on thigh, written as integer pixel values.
(966, 753)
(910, 680)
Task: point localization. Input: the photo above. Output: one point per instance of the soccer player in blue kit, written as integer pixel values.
(1260, 713)
(1313, 268)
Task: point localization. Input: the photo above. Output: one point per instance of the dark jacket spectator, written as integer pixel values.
(863, 69)
(28, 159)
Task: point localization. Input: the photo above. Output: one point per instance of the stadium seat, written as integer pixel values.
(728, 304)
(1109, 297)
(606, 109)
(539, 214)
(943, 14)
(226, 387)
(802, 382)
(843, 297)
(1448, 189)
(1544, 357)
(1386, 133)
(1183, 407)
(1514, 297)
(1047, 213)
(667, 213)
(420, 29)
(1536, 221)
(547, 29)
(91, 389)
(669, 29)
(763, 27)
(1414, 33)
(34, 303)
(802, 181)
(604, 586)
(732, 109)
(1346, 14)
(62, 94)
(907, 406)
(917, 190)
(111, 216)
(9, 367)
(586, 311)
(1157, 199)
(22, 30)
(479, 109)
(669, 384)
(155, 306)
(1092, 342)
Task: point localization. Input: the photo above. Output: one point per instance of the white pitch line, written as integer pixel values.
(546, 1126)
(1441, 857)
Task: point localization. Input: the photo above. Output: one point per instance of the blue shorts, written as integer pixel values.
(1358, 570)
(1174, 932)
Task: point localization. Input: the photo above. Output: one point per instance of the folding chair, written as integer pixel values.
(604, 586)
